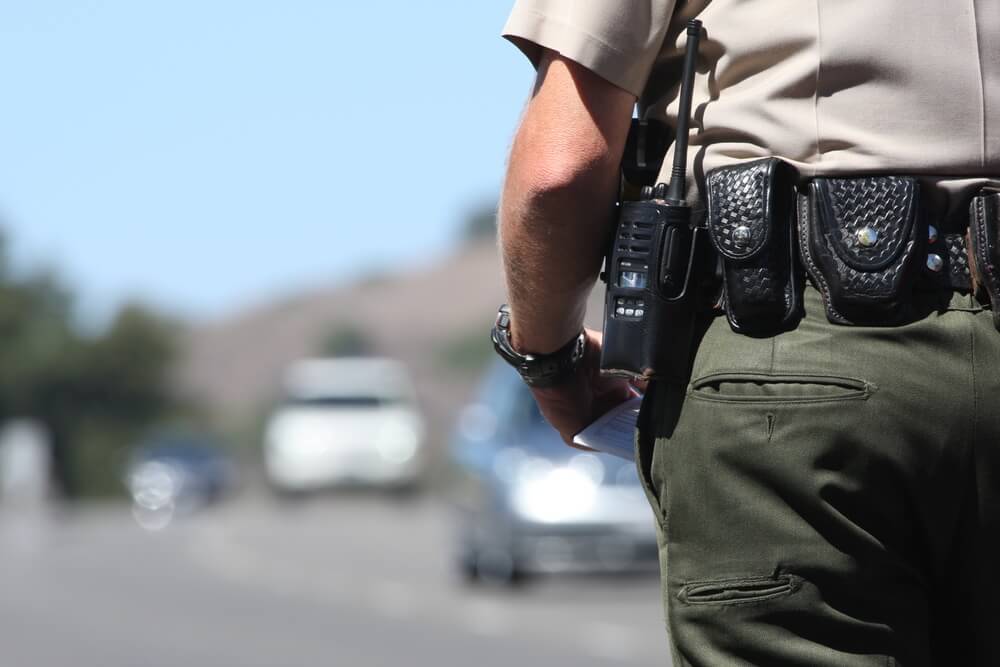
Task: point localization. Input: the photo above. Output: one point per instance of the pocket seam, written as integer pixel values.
(855, 389)
(787, 584)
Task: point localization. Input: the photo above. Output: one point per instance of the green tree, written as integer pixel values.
(347, 340)
(480, 223)
(95, 393)
(113, 388)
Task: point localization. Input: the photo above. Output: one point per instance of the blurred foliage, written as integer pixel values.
(347, 340)
(467, 353)
(94, 393)
(480, 223)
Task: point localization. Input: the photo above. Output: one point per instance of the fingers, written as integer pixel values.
(606, 402)
(573, 406)
(595, 337)
(641, 385)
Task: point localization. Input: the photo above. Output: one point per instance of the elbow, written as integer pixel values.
(579, 176)
(556, 197)
(568, 176)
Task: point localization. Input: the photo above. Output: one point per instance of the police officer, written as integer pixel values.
(827, 494)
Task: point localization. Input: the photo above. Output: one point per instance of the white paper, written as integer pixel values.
(614, 431)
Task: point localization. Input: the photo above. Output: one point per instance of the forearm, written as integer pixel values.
(551, 242)
(556, 213)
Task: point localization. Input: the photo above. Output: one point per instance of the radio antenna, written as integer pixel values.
(677, 190)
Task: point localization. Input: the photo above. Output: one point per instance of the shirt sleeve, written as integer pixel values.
(616, 39)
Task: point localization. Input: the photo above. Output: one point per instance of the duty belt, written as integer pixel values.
(865, 243)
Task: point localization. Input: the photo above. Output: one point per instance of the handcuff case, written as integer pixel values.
(862, 240)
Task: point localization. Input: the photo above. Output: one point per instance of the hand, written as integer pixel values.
(572, 405)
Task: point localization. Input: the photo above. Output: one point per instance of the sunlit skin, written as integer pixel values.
(556, 217)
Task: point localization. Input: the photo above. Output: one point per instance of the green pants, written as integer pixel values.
(831, 495)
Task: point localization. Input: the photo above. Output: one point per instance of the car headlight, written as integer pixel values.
(550, 494)
(397, 443)
(154, 485)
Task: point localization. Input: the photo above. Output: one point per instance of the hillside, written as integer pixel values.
(435, 319)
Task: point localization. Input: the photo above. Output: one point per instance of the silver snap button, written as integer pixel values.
(867, 237)
(934, 262)
(741, 236)
(932, 233)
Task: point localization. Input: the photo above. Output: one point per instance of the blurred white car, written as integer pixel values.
(345, 421)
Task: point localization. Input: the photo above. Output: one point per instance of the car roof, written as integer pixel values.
(348, 376)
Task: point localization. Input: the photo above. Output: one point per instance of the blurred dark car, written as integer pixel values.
(179, 472)
(527, 503)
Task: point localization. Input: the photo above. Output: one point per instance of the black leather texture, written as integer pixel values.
(984, 236)
(956, 258)
(862, 240)
(955, 273)
(750, 208)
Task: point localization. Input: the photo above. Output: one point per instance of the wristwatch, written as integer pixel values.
(537, 370)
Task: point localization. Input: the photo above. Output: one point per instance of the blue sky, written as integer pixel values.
(207, 156)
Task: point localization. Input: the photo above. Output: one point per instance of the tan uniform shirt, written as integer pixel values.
(834, 86)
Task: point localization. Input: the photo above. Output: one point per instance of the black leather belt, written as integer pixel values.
(865, 242)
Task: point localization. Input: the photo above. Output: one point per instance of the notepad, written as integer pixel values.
(614, 431)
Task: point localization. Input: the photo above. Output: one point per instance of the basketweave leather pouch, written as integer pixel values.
(984, 238)
(750, 209)
(862, 240)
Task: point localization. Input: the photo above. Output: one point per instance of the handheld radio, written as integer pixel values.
(648, 311)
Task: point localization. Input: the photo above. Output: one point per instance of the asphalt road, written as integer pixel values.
(347, 581)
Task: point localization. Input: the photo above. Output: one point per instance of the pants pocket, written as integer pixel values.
(740, 387)
(741, 590)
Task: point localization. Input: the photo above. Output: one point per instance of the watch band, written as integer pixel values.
(537, 370)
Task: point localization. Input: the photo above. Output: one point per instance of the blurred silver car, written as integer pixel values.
(346, 420)
(528, 503)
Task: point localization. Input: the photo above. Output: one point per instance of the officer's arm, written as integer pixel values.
(556, 212)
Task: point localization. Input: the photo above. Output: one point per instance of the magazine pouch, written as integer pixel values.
(750, 223)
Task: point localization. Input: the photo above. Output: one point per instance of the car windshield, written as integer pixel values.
(342, 401)
(189, 450)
